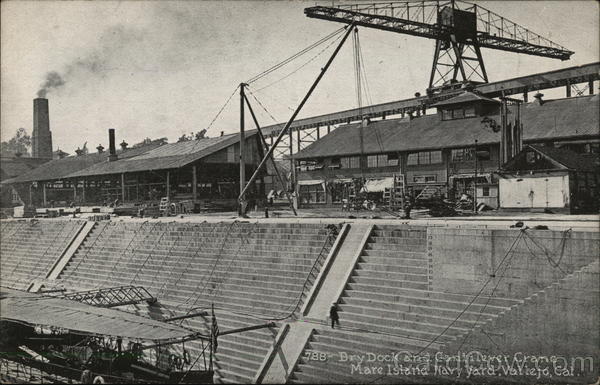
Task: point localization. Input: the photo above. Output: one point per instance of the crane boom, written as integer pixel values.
(457, 26)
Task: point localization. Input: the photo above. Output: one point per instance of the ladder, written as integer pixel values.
(394, 196)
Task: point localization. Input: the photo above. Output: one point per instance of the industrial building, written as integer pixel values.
(180, 171)
(436, 152)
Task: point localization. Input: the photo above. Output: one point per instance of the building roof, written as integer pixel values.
(11, 167)
(60, 168)
(466, 97)
(35, 309)
(570, 159)
(168, 156)
(554, 119)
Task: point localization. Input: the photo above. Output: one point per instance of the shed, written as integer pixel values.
(548, 178)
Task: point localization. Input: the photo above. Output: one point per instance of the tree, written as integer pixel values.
(200, 134)
(20, 143)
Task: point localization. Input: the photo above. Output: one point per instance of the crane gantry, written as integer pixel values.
(459, 28)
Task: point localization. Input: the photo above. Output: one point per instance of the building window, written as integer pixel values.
(350, 162)
(485, 191)
(469, 111)
(312, 194)
(15, 196)
(335, 163)
(372, 161)
(393, 160)
(435, 157)
(380, 160)
(425, 178)
(461, 154)
(412, 160)
(466, 154)
(309, 165)
(458, 113)
(424, 157)
(592, 148)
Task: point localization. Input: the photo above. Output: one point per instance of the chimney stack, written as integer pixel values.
(124, 145)
(100, 149)
(112, 150)
(41, 138)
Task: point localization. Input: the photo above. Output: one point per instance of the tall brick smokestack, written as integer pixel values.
(112, 149)
(41, 139)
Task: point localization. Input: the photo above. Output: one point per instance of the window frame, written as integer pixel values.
(350, 162)
(313, 191)
(425, 158)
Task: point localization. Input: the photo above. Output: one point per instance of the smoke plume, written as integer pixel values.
(109, 54)
(53, 81)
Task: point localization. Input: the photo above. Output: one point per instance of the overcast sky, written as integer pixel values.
(160, 68)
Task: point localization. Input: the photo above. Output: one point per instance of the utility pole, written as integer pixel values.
(284, 131)
(475, 181)
(264, 142)
(242, 200)
(292, 162)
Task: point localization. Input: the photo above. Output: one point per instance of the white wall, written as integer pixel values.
(548, 191)
(490, 200)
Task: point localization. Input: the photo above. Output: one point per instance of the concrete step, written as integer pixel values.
(366, 341)
(219, 273)
(401, 245)
(391, 257)
(390, 275)
(406, 233)
(356, 325)
(430, 298)
(419, 307)
(380, 267)
(227, 353)
(288, 291)
(408, 322)
(389, 285)
(394, 316)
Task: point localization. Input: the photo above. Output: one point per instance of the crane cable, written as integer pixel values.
(358, 87)
(294, 56)
(367, 89)
(222, 108)
(303, 64)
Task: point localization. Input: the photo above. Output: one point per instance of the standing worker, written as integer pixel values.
(407, 207)
(333, 314)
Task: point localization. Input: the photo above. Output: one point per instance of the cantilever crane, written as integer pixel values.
(459, 28)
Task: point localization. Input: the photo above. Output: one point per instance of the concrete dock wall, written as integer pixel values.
(464, 260)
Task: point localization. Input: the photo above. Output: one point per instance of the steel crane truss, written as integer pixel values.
(419, 18)
(459, 28)
(113, 296)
